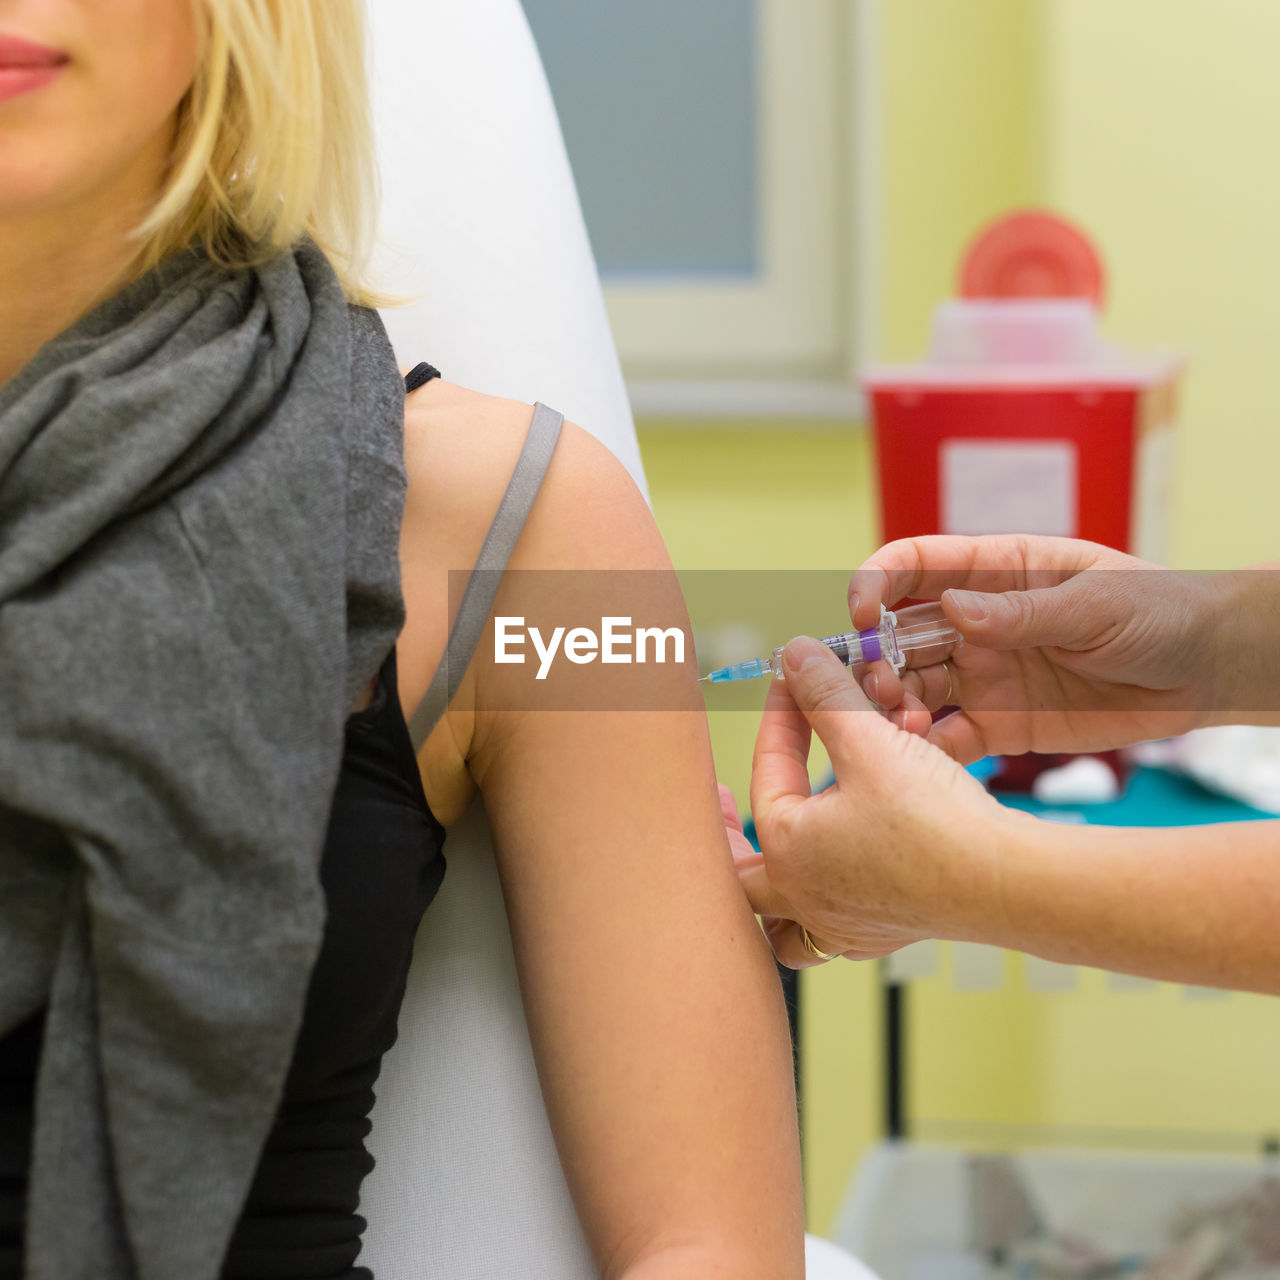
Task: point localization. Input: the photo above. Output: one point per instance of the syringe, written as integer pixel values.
(890, 640)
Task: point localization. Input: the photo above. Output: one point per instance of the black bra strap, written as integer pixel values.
(419, 374)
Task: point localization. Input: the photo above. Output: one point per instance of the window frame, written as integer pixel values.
(792, 339)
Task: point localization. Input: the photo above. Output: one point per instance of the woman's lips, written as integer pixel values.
(25, 66)
(16, 52)
(16, 80)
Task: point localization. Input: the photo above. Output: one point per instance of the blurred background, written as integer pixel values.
(778, 193)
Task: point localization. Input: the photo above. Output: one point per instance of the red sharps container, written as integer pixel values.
(1022, 419)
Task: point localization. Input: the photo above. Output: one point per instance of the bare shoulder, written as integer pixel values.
(460, 449)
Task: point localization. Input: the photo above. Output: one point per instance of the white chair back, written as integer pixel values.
(481, 220)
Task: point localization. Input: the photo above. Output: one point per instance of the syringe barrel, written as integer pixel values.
(891, 640)
(853, 648)
(927, 634)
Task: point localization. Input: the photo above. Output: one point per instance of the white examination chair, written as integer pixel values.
(482, 220)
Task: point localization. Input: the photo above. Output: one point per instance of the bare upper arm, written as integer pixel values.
(652, 1003)
(590, 550)
(460, 449)
(653, 1006)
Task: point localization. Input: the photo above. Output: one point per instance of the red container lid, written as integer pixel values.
(1032, 254)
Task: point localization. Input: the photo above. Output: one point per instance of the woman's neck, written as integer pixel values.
(47, 282)
(56, 265)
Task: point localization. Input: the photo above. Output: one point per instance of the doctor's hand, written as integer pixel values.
(1069, 646)
(905, 845)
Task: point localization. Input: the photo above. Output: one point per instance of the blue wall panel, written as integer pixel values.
(657, 99)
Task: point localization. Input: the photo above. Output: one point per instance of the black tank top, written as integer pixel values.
(382, 865)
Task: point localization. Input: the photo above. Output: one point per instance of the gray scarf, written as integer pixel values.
(201, 486)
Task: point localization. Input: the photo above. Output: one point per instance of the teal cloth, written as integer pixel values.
(1151, 798)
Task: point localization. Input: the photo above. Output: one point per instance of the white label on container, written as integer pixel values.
(1009, 486)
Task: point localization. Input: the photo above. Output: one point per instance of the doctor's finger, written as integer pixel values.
(915, 568)
(912, 716)
(780, 762)
(935, 687)
(764, 898)
(923, 568)
(729, 807)
(962, 738)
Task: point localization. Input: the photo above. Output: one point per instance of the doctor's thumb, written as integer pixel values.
(823, 688)
(1047, 616)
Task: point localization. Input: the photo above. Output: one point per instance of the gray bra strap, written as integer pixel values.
(486, 576)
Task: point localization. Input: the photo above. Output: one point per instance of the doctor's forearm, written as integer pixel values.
(1246, 678)
(1183, 904)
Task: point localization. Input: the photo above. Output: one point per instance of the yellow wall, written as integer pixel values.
(957, 142)
(1161, 120)
(1152, 123)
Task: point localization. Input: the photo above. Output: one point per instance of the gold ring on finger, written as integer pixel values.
(813, 949)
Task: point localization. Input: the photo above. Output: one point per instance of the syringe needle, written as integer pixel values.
(889, 641)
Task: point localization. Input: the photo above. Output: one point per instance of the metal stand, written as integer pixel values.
(895, 1085)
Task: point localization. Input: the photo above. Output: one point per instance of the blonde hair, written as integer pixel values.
(274, 141)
